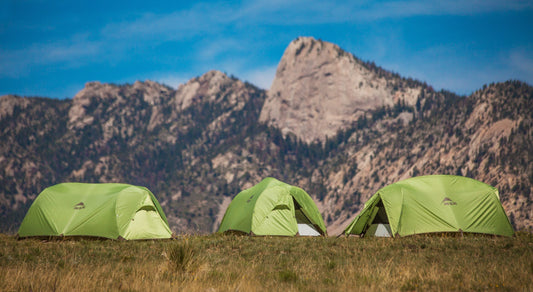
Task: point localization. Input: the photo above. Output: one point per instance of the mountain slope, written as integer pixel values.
(197, 146)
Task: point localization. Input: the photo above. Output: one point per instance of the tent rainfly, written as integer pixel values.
(273, 207)
(433, 203)
(116, 211)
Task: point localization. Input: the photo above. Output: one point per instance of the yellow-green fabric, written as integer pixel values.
(436, 203)
(268, 208)
(108, 210)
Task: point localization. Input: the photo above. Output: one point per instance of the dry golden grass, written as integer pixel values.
(241, 263)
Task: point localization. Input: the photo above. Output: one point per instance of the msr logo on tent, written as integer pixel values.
(448, 202)
(79, 206)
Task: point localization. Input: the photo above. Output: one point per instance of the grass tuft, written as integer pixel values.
(182, 257)
(288, 276)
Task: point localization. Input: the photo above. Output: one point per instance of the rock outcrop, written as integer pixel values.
(8, 103)
(319, 89)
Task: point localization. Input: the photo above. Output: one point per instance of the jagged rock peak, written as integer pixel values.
(319, 89)
(115, 97)
(95, 89)
(149, 84)
(204, 87)
(311, 46)
(213, 76)
(92, 94)
(9, 102)
(212, 80)
(93, 84)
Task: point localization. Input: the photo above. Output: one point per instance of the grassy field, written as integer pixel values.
(241, 263)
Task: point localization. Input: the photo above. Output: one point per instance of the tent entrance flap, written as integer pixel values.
(305, 227)
(146, 224)
(381, 215)
(379, 224)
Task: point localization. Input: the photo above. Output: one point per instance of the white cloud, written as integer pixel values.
(213, 49)
(204, 19)
(71, 53)
(68, 51)
(200, 19)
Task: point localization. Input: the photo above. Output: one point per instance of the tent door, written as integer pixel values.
(380, 226)
(147, 223)
(305, 227)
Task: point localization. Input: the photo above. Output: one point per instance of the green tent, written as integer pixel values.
(433, 203)
(101, 210)
(273, 207)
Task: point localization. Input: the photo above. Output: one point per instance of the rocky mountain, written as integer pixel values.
(319, 89)
(144, 134)
(336, 126)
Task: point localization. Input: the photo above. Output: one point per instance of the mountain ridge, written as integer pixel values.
(198, 145)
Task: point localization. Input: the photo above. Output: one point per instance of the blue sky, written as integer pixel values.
(52, 48)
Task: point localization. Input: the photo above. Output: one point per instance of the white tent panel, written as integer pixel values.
(379, 230)
(307, 230)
